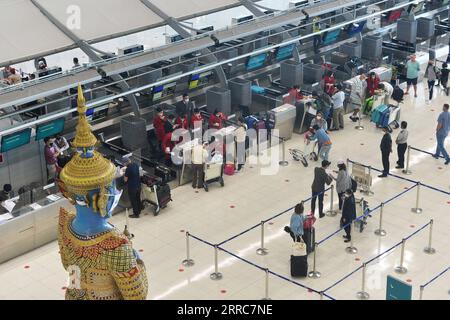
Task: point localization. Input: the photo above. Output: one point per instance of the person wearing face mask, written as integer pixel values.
(185, 106)
(158, 124)
(217, 120)
(182, 122)
(372, 84)
(320, 121)
(432, 74)
(197, 119)
(51, 154)
(343, 181)
(295, 94)
(348, 213)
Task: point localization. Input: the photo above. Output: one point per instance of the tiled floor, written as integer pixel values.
(255, 197)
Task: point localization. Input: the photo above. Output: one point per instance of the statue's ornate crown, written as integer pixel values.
(88, 170)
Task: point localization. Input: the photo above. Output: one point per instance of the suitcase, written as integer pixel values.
(164, 195)
(384, 118)
(250, 122)
(376, 114)
(397, 94)
(309, 237)
(299, 266)
(339, 58)
(164, 173)
(258, 90)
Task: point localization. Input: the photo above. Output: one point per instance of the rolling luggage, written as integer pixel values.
(309, 237)
(384, 118)
(397, 94)
(258, 90)
(299, 266)
(164, 195)
(376, 114)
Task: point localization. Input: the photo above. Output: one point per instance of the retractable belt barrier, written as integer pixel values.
(422, 287)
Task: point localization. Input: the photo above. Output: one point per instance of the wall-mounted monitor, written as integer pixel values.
(256, 62)
(15, 140)
(50, 129)
(200, 80)
(285, 52)
(241, 20)
(206, 29)
(163, 91)
(331, 36)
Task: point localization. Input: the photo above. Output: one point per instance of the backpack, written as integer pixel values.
(354, 185)
(397, 94)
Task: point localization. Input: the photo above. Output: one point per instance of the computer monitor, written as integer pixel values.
(15, 140)
(256, 62)
(285, 52)
(50, 129)
(331, 36)
(199, 80)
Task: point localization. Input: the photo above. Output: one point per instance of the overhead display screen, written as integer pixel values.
(256, 62)
(15, 140)
(50, 129)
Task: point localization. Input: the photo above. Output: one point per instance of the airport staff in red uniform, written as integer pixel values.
(158, 124)
(197, 119)
(295, 94)
(167, 143)
(217, 120)
(182, 122)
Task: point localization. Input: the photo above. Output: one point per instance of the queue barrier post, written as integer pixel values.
(315, 274)
(331, 212)
(363, 295)
(188, 262)
(283, 162)
(216, 275)
(422, 288)
(417, 209)
(262, 251)
(351, 249)
(380, 231)
(408, 159)
(401, 269)
(266, 298)
(321, 295)
(429, 249)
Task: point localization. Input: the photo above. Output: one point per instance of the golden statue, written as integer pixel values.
(100, 260)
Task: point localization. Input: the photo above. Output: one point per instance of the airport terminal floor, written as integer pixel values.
(250, 197)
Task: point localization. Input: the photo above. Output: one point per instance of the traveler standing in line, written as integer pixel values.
(323, 140)
(241, 136)
(442, 130)
(295, 228)
(358, 95)
(348, 214)
(343, 181)
(402, 145)
(444, 77)
(199, 157)
(388, 90)
(51, 158)
(432, 74)
(132, 178)
(386, 150)
(338, 108)
(412, 74)
(321, 177)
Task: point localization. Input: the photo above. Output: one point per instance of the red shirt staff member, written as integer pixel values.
(216, 120)
(294, 95)
(182, 122)
(197, 119)
(158, 124)
(167, 143)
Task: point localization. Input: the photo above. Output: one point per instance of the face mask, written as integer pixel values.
(319, 118)
(186, 100)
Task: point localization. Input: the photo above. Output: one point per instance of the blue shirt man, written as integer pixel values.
(324, 142)
(442, 130)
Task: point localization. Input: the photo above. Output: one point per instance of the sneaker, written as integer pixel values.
(133, 216)
(347, 240)
(382, 176)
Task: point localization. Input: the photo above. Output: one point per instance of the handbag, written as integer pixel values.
(309, 222)
(299, 249)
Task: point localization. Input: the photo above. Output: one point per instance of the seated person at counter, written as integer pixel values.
(329, 83)
(197, 119)
(158, 124)
(295, 94)
(6, 193)
(13, 77)
(182, 122)
(217, 120)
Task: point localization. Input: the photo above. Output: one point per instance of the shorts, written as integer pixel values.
(411, 82)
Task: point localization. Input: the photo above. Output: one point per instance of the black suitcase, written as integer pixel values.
(299, 266)
(164, 196)
(309, 237)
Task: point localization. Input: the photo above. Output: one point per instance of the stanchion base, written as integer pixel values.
(429, 250)
(262, 252)
(351, 250)
(216, 276)
(417, 210)
(188, 263)
(314, 274)
(332, 213)
(380, 232)
(407, 172)
(283, 163)
(363, 295)
(266, 299)
(401, 270)
(359, 128)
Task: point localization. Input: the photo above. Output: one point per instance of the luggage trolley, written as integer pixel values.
(155, 193)
(308, 152)
(213, 172)
(363, 210)
(363, 177)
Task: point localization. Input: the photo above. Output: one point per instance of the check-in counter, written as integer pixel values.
(28, 228)
(284, 118)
